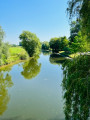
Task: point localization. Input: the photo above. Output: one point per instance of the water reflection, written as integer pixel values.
(76, 84)
(46, 52)
(56, 59)
(17, 118)
(31, 68)
(5, 82)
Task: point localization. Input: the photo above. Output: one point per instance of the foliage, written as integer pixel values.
(78, 40)
(14, 45)
(5, 82)
(55, 44)
(80, 43)
(74, 29)
(4, 53)
(81, 9)
(59, 44)
(20, 43)
(64, 44)
(76, 84)
(31, 68)
(1, 35)
(1, 43)
(30, 43)
(45, 45)
(17, 53)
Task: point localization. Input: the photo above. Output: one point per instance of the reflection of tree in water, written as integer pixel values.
(56, 59)
(46, 52)
(5, 82)
(31, 68)
(76, 84)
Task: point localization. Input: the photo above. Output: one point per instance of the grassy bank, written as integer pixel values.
(67, 54)
(16, 54)
(74, 55)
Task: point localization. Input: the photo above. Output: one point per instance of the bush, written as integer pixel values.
(23, 56)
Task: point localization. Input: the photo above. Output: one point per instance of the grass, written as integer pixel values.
(9, 66)
(74, 55)
(61, 51)
(69, 55)
(16, 54)
(16, 51)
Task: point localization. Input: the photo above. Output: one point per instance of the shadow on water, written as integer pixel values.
(76, 85)
(56, 59)
(5, 83)
(31, 68)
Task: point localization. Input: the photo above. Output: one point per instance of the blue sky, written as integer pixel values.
(45, 18)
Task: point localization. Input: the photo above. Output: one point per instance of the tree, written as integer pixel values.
(76, 84)
(80, 9)
(64, 44)
(1, 40)
(1, 35)
(55, 44)
(4, 48)
(30, 43)
(74, 29)
(80, 43)
(45, 45)
(59, 44)
(78, 40)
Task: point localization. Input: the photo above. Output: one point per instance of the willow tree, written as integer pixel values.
(81, 10)
(76, 84)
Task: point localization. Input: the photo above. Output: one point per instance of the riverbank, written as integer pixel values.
(68, 55)
(3, 67)
(16, 54)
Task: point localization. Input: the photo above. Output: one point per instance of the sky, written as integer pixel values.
(45, 18)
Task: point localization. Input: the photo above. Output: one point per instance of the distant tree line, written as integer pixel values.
(45, 45)
(77, 42)
(59, 44)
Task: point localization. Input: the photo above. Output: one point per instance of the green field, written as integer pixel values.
(17, 53)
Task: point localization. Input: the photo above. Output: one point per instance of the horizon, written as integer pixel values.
(47, 19)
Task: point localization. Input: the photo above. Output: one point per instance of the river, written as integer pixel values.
(46, 88)
(32, 90)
